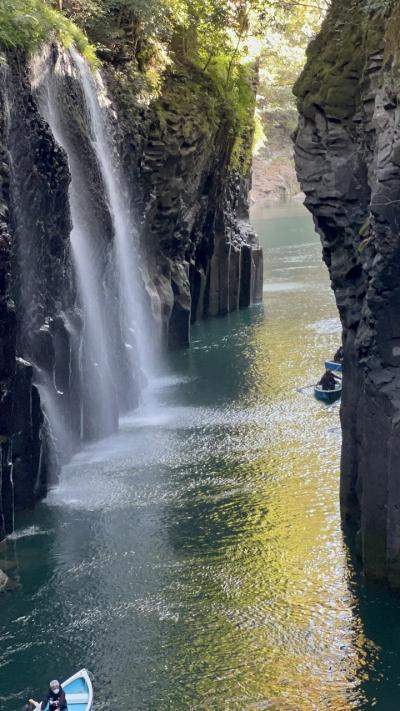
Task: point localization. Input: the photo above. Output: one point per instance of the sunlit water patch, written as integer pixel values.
(326, 325)
(283, 286)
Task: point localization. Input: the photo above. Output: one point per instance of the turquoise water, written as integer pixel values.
(195, 560)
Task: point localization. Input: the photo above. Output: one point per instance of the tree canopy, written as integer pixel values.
(282, 57)
(214, 29)
(224, 38)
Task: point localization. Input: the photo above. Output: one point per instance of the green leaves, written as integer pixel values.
(292, 26)
(220, 37)
(26, 24)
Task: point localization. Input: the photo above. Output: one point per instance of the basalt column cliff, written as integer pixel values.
(103, 183)
(348, 161)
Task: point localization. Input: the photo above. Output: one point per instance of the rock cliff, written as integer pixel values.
(203, 256)
(200, 256)
(347, 154)
(35, 286)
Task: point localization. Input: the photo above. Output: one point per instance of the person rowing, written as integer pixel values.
(328, 381)
(54, 698)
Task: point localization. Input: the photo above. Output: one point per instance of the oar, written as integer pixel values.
(304, 387)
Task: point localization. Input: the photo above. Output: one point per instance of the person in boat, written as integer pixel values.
(338, 357)
(55, 698)
(328, 381)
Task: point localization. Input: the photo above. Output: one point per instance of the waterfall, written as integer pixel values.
(99, 408)
(117, 349)
(139, 341)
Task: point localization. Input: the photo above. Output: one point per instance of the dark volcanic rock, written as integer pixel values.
(347, 155)
(200, 255)
(35, 285)
(203, 257)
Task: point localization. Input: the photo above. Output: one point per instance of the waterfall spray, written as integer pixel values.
(118, 348)
(135, 322)
(99, 407)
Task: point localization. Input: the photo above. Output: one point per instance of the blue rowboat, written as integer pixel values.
(79, 691)
(328, 396)
(332, 365)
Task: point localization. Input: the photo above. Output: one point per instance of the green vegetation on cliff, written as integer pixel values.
(282, 58)
(139, 39)
(27, 24)
(225, 40)
(331, 79)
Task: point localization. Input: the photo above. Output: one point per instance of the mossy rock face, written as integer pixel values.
(343, 97)
(338, 112)
(336, 60)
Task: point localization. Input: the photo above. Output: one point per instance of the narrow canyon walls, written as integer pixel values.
(36, 288)
(347, 153)
(202, 254)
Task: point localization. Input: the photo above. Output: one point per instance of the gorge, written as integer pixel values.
(178, 513)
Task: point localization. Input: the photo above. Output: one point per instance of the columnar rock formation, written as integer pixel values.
(348, 162)
(201, 257)
(203, 254)
(35, 286)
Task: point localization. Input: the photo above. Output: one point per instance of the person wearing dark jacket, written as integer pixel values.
(328, 381)
(338, 357)
(55, 698)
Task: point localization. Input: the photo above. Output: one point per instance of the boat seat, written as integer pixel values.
(77, 698)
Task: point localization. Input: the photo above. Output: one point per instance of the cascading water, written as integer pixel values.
(73, 285)
(99, 409)
(117, 347)
(135, 322)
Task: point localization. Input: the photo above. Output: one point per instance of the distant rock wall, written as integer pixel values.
(348, 162)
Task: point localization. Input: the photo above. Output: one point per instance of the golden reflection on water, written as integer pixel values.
(281, 625)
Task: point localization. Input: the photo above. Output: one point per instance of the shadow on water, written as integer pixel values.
(378, 609)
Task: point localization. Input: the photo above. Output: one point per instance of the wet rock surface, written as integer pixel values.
(3, 581)
(201, 257)
(347, 162)
(36, 285)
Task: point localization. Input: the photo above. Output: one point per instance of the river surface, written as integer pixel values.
(195, 560)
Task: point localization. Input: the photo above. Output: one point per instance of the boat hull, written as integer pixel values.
(332, 365)
(79, 691)
(328, 396)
